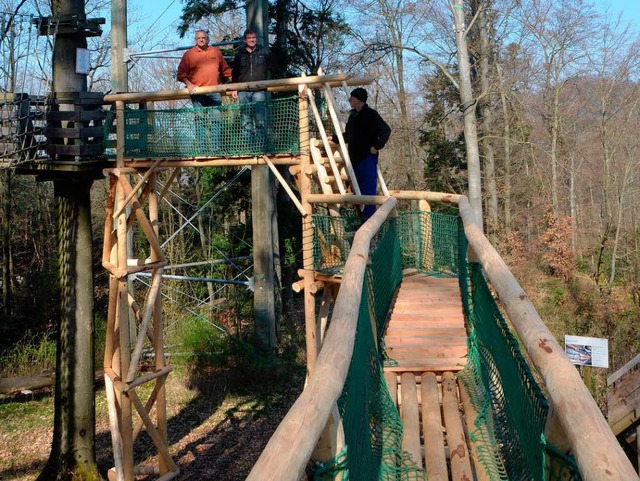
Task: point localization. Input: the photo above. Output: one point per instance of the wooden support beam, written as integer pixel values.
(156, 250)
(152, 431)
(145, 378)
(136, 188)
(410, 418)
(434, 453)
(276, 85)
(285, 186)
(154, 290)
(458, 450)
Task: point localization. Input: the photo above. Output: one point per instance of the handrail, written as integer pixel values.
(597, 452)
(616, 376)
(314, 81)
(289, 449)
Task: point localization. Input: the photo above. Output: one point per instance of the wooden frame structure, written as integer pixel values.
(573, 411)
(136, 206)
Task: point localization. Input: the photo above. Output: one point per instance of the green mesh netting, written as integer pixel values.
(428, 241)
(252, 128)
(511, 407)
(372, 426)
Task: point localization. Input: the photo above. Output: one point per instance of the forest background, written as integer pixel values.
(557, 98)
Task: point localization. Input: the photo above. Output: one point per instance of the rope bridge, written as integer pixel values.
(512, 407)
(509, 420)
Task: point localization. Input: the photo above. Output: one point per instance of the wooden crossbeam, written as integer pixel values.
(153, 432)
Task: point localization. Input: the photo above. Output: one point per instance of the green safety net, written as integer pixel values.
(372, 426)
(511, 407)
(237, 129)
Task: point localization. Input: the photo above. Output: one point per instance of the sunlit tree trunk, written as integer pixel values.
(468, 107)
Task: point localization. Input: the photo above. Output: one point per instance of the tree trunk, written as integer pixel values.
(506, 133)
(467, 105)
(555, 126)
(487, 121)
(72, 453)
(264, 220)
(5, 213)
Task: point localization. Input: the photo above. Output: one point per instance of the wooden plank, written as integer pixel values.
(622, 424)
(407, 321)
(470, 416)
(623, 370)
(434, 454)
(432, 365)
(618, 394)
(410, 418)
(458, 450)
(624, 406)
(443, 352)
(420, 337)
(425, 331)
(427, 311)
(392, 385)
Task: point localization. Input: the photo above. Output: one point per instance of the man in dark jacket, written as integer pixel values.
(252, 63)
(366, 133)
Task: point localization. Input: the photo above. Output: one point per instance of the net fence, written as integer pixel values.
(25, 83)
(235, 129)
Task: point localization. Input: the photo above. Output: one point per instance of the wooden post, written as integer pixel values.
(158, 333)
(124, 349)
(307, 232)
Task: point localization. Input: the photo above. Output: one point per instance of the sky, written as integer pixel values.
(162, 15)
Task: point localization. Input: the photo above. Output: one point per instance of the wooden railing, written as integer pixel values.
(290, 448)
(575, 422)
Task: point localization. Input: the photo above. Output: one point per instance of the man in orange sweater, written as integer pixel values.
(203, 66)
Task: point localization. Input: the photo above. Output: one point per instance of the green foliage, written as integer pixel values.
(35, 352)
(313, 35)
(195, 10)
(445, 167)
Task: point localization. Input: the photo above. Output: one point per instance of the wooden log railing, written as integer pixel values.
(584, 430)
(289, 84)
(290, 448)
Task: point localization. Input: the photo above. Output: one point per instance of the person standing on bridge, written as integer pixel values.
(366, 133)
(203, 66)
(253, 63)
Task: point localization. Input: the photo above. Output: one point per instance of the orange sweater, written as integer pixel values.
(203, 67)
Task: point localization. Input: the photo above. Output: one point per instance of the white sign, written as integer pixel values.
(587, 351)
(83, 61)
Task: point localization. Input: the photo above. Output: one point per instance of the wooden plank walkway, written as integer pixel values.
(426, 331)
(426, 335)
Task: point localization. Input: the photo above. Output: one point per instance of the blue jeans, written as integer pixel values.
(206, 100)
(366, 171)
(208, 141)
(254, 119)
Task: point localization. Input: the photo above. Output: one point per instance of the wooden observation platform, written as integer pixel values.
(426, 334)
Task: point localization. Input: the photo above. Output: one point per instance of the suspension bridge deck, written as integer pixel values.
(426, 331)
(427, 337)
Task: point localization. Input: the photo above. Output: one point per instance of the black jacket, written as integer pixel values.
(251, 66)
(365, 129)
